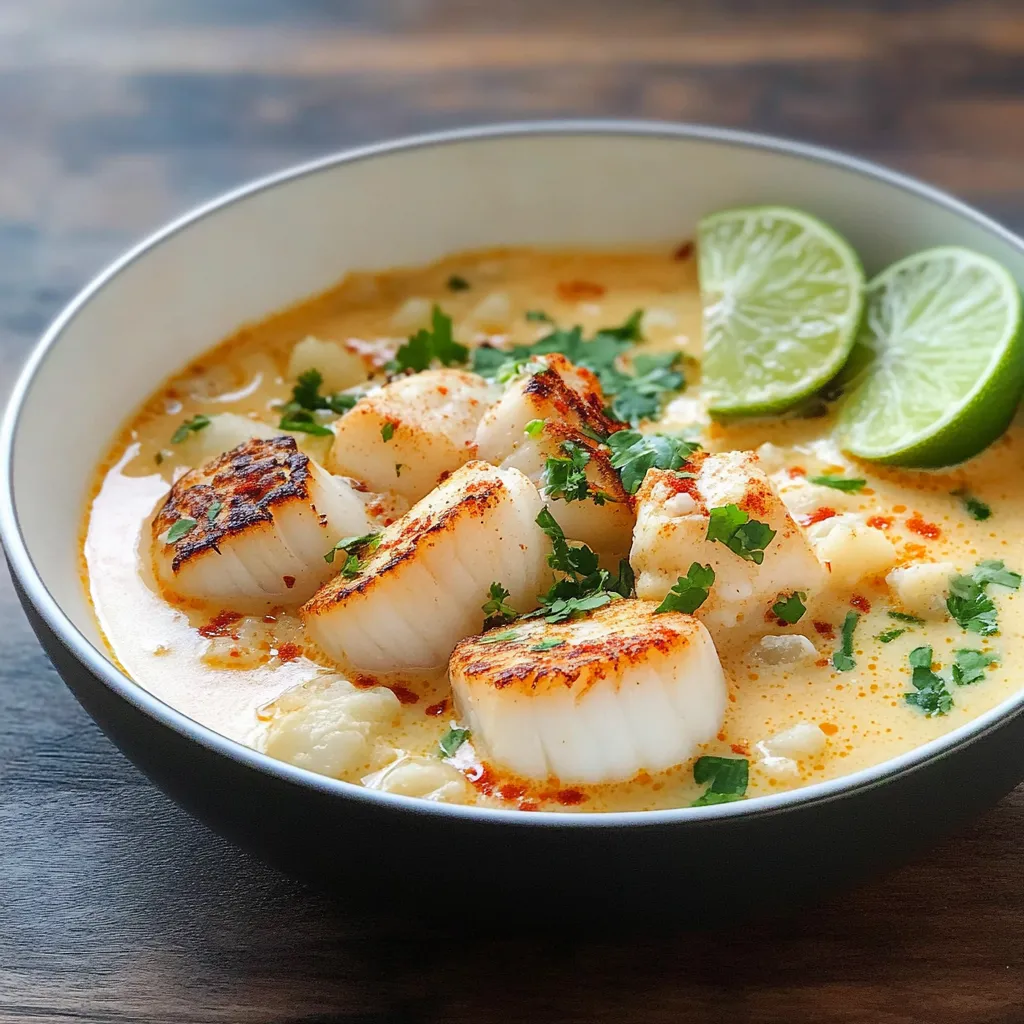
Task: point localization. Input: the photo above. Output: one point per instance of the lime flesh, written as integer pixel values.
(943, 361)
(782, 295)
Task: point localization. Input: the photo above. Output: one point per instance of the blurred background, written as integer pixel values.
(116, 115)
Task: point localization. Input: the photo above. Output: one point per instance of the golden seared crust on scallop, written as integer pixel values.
(254, 524)
(672, 517)
(596, 699)
(408, 435)
(563, 393)
(422, 590)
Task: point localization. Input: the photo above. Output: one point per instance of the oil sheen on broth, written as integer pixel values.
(240, 673)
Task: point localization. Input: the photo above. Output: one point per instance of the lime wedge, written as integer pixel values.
(943, 359)
(782, 296)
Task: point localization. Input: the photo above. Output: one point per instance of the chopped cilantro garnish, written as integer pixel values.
(746, 537)
(452, 740)
(302, 421)
(214, 510)
(930, 692)
(690, 591)
(538, 316)
(496, 608)
(976, 508)
(399, 466)
(994, 571)
(968, 602)
(728, 777)
(534, 427)
(565, 475)
(792, 608)
(457, 283)
(179, 528)
(427, 344)
(838, 483)
(969, 666)
(634, 453)
(547, 645)
(388, 431)
(159, 458)
(634, 394)
(498, 638)
(363, 544)
(888, 635)
(585, 586)
(190, 426)
(842, 660)
(904, 617)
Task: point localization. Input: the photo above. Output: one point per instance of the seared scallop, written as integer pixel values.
(422, 590)
(673, 518)
(411, 433)
(591, 700)
(602, 517)
(551, 388)
(251, 527)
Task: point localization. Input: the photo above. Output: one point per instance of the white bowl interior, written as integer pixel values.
(240, 261)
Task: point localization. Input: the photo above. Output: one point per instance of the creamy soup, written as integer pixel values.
(816, 674)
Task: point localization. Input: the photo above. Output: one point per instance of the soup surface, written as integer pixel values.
(256, 675)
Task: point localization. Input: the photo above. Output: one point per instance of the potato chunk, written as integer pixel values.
(412, 432)
(921, 589)
(339, 368)
(850, 550)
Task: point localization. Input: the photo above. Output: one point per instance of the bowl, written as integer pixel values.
(277, 240)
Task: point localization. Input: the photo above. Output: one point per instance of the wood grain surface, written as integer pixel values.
(116, 114)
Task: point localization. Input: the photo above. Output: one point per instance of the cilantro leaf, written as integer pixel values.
(388, 431)
(887, 636)
(499, 638)
(457, 283)
(179, 528)
(969, 666)
(190, 426)
(842, 660)
(993, 571)
(930, 693)
(364, 544)
(427, 344)
(904, 617)
(496, 608)
(214, 510)
(638, 396)
(534, 427)
(972, 608)
(690, 591)
(838, 483)
(302, 421)
(306, 396)
(565, 476)
(728, 777)
(791, 609)
(538, 316)
(547, 645)
(452, 740)
(975, 508)
(633, 454)
(743, 536)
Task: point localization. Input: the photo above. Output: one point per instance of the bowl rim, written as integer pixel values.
(97, 664)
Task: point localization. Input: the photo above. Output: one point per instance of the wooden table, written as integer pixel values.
(116, 114)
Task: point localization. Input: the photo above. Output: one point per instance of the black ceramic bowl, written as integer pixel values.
(273, 242)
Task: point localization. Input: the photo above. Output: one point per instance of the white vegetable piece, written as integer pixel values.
(254, 525)
(850, 550)
(334, 730)
(671, 532)
(561, 394)
(591, 700)
(779, 755)
(424, 777)
(492, 312)
(226, 430)
(410, 433)
(339, 368)
(422, 589)
(413, 314)
(921, 588)
(787, 649)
